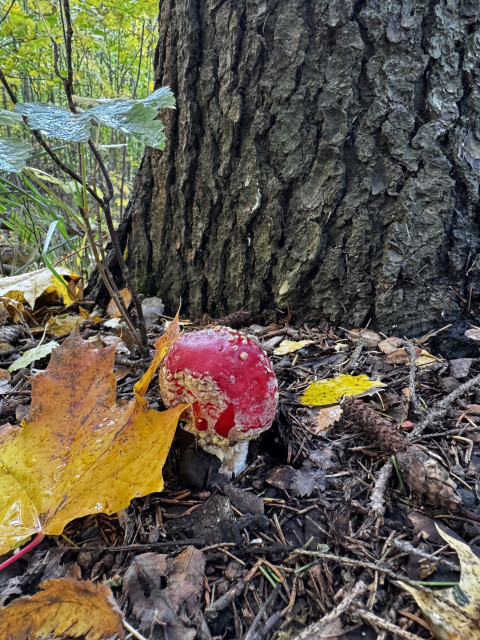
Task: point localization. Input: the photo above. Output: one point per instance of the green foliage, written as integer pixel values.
(132, 117)
(112, 61)
(13, 154)
(107, 52)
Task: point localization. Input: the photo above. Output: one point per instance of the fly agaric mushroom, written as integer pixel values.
(231, 383)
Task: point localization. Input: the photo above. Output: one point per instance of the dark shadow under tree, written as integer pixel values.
(324, 156)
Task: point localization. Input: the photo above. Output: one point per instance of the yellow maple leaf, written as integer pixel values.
(330, 391)
(27, 287)
(77, 608)
(454, 616)
(78, 452)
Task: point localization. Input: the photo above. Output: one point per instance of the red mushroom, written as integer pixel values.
(230, 381)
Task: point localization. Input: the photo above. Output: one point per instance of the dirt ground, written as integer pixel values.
(312, 539)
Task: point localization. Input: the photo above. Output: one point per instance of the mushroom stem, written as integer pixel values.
(232, 456)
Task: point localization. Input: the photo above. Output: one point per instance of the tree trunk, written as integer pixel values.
(324, 157)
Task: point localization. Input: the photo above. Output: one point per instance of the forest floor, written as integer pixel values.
(313, 539)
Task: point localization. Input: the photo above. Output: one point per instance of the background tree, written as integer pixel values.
(324, 155)
(112, 57)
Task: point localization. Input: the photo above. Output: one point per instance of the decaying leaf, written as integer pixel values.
(425, 359)
(59, 326)
(306, 480)
(12, 307)
(165, 607)
(289, 346)
(325, 392)
(458, 621)
(401, 356)
(323, 419)
(27, 287)
(37, 353)
(78, 451)
(372, 338)
(5, 386)
(389, 345)
(64, 607)
(112, 309)
(473, 334)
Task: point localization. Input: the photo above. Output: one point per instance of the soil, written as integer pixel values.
(312, 539)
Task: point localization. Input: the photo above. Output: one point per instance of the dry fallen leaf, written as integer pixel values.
(324, 419)
(389, 345)
(13, 308)
(473, 334)
(458, 620)
(112, 309)
(401, 356)
(163, 592)
(372, 338)
(78, 451)
(27, 287)
(77, 608)
(61, 325)
(325, 392)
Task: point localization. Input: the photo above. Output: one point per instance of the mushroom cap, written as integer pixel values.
(229, 379)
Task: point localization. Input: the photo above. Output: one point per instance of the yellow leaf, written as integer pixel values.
(14, 308)
(79, 452)
(288, 346)
(77, 608)
(89, 316)
(61, 325)
(30, 286)
(458, 620)
(331, 391)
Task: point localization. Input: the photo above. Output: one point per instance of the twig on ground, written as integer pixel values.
(403, 545)
(440, 410)
(388, 572)
(352, 363)
(263, 609)
(391, 616)
(377, 497)
(316, 629)
(410, 347)
(376, 621)
(270, 624)
(228, 597)
(134, 632)
(139, 547)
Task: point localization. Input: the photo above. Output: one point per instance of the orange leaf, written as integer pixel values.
(79, 452)
(77, 608)
(112, 309)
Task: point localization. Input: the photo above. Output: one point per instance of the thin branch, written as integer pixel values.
(39, 138)
(8, 11)
(440, 410)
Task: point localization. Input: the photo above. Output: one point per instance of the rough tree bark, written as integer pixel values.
(325, 155)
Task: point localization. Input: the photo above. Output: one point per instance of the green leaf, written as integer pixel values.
(14, 154)
(10, 117)
(137, 118)
(37, 353)
(56, 122)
